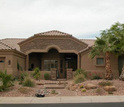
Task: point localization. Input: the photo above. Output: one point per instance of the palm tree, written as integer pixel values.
(110, 42)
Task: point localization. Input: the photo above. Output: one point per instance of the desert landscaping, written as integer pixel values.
(28, 86)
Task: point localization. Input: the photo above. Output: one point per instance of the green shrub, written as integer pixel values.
(79, 72)
(83, 90)
(54, 92)
(28, 82)
(105, 83)
(110, 92)
(2, 88)
(6, 79)
(79, 78)
(82, 86)
(23, 75)
(96, 77)
(36, 73)
(46, 76)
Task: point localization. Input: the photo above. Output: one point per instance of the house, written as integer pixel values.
(54, 52)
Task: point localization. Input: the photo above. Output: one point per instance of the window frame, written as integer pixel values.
(100, 64)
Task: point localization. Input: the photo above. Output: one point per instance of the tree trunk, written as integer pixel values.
(109, 74)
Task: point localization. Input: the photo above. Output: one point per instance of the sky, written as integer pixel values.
(81, 18)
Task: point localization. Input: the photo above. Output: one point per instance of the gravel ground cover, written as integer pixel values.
(71, 89)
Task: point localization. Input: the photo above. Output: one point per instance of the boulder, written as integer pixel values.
(90, 86)
(110, 88)
(122, 74)
(73, 88)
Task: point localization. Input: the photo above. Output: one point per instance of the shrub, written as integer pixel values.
(46, 76)
(36, 73)
(105, 83)
(99, 91)
(82, 86)
(79, 78)
(96, 77)
(2, 88)
(6, 79)
(83, 90)
(54, 92)
(79, 72)
(28, 82)
(110, 92)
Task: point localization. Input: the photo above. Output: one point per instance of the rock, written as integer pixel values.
(110, 88)
(90, 86)
(73, 88)
(122, 75)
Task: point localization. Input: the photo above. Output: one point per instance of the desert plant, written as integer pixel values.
(28, 82)
(79, 72)
(36, 74)
(110, 92)
(82, 86)
(83, 90)
(23, 75)
(46, 76)
(99, 91)
(105, 83)
(6, 79)
(79, 78)
(54, 92)
(96, 77)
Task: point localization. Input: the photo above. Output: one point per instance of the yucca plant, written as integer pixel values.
(6, 79)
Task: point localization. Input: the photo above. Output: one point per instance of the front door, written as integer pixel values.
(61, 70)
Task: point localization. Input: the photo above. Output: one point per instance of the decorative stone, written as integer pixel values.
(73, 88)
(110, 88)
(90, 86)
(122, 74)
(53, 74)
(69, 73)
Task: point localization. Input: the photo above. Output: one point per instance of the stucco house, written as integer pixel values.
(55, 52)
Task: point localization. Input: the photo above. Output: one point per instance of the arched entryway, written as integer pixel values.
(53, 59)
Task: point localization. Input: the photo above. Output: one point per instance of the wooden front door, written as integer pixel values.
(62, 70)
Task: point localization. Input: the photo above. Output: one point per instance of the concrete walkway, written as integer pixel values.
(48, 100)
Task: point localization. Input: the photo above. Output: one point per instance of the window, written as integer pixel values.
(48, 64)
(1, 61)
(9, 62)
(99, 61)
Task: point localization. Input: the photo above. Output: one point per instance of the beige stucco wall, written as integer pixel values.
(7, 56)
(16, 58)
(89, 65)
(13, 56)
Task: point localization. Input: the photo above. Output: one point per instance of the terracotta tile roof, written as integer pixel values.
(4, 46)
(10, 43)
(90, 42)
(54, 33)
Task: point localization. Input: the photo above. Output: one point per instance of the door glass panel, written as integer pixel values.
(48, 64)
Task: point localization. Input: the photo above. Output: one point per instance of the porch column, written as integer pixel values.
(78, 61)
(27, 62)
